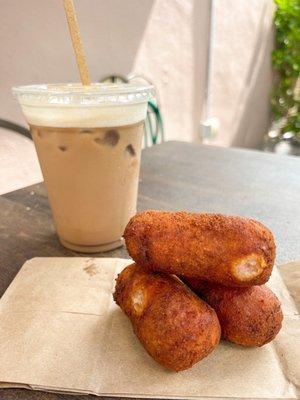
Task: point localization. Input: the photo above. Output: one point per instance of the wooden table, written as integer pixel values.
(174, 176)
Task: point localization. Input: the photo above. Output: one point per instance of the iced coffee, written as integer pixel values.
(88, 142)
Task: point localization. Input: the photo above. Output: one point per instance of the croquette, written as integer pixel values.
(228, 250)
(248, 316)
(175, 326)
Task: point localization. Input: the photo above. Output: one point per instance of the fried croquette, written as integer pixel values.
(228, 250)
(175, 326)
(248, 316)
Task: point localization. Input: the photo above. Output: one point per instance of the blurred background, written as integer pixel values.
(226, 71)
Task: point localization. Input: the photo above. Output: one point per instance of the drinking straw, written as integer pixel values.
(77, 42)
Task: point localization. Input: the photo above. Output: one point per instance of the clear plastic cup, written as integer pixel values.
(88, 141)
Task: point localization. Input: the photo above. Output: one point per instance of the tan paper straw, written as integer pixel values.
(76, 41)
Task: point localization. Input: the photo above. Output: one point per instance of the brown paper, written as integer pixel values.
(290, 273)
(60, 330)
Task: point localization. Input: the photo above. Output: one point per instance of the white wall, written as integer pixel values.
(155, 38)
(166, 40)
(241, 72)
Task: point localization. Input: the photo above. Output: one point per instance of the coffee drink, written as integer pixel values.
(90, 159)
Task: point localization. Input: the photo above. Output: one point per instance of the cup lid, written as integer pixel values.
(73, 94)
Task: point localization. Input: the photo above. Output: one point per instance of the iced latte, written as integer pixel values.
(88, 141)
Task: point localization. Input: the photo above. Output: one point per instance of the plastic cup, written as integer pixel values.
(88, 141)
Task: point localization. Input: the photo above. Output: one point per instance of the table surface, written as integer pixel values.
(174, 176)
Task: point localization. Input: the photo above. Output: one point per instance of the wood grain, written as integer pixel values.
(174, 176)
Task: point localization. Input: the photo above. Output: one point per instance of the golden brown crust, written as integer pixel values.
(213, 247)
(248, 316)
(175, 327)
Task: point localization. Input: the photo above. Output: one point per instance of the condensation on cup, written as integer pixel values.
(88, 141)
